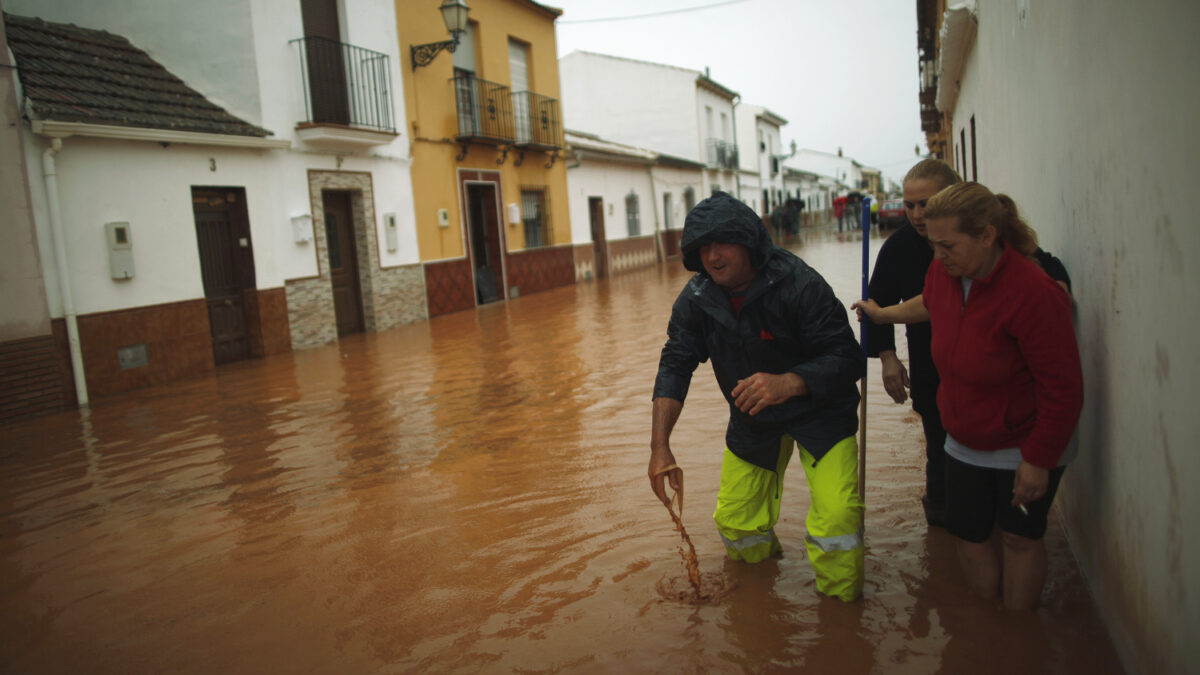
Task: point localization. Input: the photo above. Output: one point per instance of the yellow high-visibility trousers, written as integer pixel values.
(748, 508)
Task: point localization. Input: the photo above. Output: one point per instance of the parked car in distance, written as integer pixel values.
(891, 213)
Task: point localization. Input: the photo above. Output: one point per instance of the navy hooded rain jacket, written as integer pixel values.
(790, 321)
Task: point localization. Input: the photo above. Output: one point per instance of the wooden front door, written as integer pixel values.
(343, 261)
(599, 242)
(226, 266)
(483, 221)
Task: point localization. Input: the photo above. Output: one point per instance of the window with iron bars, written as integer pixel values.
(633, 218)
(535, 214)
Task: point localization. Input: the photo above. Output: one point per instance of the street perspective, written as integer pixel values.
(383, 336)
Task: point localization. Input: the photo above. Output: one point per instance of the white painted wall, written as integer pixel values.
(635, 102)
(150, 186)
(747, 137)
(23, 310)
(826, 164)
(613, 181)
(676, 181)
(1085, 114)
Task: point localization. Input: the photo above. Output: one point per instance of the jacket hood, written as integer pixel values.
(722, 218)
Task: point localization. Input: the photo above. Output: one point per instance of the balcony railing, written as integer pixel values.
(721, 154)
(537, 120)
(485, 110)
(345, 85)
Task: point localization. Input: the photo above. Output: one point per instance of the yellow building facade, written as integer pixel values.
(485, 124)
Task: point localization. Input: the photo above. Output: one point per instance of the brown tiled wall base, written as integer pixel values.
(670, 243)
(450, 287)
(540, 269)
(31, 378)
(177, 337)
(310, 312)
(269, 334)
(634, 253)
(585, 262)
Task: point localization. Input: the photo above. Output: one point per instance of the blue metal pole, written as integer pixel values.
(862, 338)
(866, 256)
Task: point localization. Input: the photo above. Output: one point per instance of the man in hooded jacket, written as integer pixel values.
(786, 360)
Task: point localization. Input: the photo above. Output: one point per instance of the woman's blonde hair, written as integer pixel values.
(935, 170)
(976, 207)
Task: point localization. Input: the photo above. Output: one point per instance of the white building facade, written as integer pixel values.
(284, 196)
(1098, 152)
(669, 110)
(842, 169)
(627, 204)
(760, 157)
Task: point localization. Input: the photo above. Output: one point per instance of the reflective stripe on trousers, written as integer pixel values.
(748, 508)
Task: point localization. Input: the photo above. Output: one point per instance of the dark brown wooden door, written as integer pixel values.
(484, 222)
(599, 242)
(343, 261)
(226, 266)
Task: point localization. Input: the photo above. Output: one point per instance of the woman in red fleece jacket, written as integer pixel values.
(1011, 389)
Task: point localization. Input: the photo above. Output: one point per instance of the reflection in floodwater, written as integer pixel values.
(469, 494)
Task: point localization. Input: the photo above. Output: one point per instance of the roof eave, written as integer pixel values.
(53, 129)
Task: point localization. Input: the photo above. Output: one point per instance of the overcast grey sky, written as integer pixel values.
(842, 72)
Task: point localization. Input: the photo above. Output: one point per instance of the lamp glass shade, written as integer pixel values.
(454, 13)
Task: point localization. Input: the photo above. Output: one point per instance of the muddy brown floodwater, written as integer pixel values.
(469, 494)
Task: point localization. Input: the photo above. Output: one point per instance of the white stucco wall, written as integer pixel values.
(613, 181)
(150, 186)
(644, 104)
(23, 309)
(754, 156)
(1085, 114)
(675, 181)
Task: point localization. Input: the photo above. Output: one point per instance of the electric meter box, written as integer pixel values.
(120, 250)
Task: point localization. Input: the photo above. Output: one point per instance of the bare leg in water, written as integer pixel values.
(1005, 565)
(981, 565)
(1024, 571)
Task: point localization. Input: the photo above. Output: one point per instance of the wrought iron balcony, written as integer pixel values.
(485, 111)
(345, 85)
(721, 154)
(538, 124)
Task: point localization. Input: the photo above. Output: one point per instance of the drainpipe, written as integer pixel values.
(659, 253)
(737, 170)
(64, 276)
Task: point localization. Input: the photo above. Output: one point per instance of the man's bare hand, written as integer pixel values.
(895, 376)
(760, 390)
(659, 460)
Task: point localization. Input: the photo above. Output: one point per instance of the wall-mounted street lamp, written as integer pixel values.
(454, 13)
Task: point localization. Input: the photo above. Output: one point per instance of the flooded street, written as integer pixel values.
(469, 494)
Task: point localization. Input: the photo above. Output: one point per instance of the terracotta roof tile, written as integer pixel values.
(74, 74)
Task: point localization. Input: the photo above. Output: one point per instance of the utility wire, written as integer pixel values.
(653, 14)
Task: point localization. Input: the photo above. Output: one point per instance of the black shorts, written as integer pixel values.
(978, 499)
